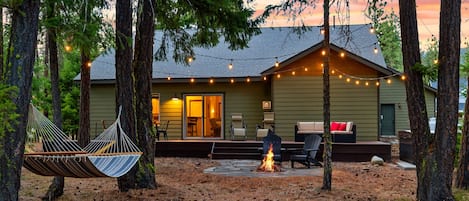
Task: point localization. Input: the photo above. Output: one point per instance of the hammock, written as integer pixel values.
(49, 152)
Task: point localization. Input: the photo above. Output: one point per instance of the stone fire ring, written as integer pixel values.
(247, 168)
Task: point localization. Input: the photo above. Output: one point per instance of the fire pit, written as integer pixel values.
(268, 163)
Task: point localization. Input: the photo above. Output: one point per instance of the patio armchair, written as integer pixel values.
(269, 120)
(307, 155)
(162, 129)
(238, 127)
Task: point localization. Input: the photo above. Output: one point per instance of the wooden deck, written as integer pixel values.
(225, 149)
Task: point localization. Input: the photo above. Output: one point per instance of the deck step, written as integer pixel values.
(254, 156)
(235, 151)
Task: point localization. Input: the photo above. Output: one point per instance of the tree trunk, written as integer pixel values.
(56, 189)
(142, 65)
(462, 175)
(434, 154)
(20, 71)
(448, 99)
(415, 96)
(327, 153)
(1, 43)
(124, 81)
(83, 136)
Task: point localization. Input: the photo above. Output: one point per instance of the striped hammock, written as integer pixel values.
(50, 152)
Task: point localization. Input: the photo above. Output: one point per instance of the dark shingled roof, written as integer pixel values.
(260, 55)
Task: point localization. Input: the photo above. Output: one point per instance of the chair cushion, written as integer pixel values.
(262, 132)
(239, 131)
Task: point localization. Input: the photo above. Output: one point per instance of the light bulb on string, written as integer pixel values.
(277, 64)
(375, 49)
(190, 59)
(388, 81)
(403, 77)
(372, 29)
(293, 73)
(340, 76)
(248, 79)
(357, 82)
(232, 80)
(366, 83)
(342, 54)
(169, 77)
(68, 48)
(211, 81)
(278, 75)
(230, 66)
(323, 31)
(377, 83)
(348, 79)
(192, 80)
(265, 78)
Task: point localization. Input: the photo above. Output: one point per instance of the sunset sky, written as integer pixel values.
(428, 13)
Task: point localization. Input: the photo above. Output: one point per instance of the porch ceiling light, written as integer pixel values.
(175, 97)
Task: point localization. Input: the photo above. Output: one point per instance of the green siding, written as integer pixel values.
(240, 97)
(102, 107)
(300, 98)
(395, 93)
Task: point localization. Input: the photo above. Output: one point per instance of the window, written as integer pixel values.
(155, 104)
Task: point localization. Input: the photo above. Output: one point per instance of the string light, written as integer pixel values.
(293, 73)
(88, 64)
(277, 64)
(189, 59)
(230, 66)
(403, 77)
(211, 81)
(323, 31)
(388, 81)
(377, 83)
(306, 69)
(323, 53)
(248, 79)
(375, 49)
(435, 61)
(169, 77)
(68, 48)
(342, 54)
(372, 29)
(265, 78)
(192, 80)
(366, 84)
(357, 82)
(348, 79)
(278, 75)
(232, 80)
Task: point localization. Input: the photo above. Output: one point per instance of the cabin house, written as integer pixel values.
(279, 72)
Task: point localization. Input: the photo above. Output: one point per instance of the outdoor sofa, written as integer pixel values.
(340, 131)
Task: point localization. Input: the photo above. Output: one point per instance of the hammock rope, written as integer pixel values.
(50, 152)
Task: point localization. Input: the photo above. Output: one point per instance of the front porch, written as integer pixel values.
(225, 149)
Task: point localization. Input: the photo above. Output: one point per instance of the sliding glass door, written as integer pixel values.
(202, 116)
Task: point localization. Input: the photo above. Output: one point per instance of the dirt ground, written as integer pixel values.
(184, 179)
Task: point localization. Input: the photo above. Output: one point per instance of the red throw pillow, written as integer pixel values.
(334, 126)
(342, 126)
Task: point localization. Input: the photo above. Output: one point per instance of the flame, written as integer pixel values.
(268, 163)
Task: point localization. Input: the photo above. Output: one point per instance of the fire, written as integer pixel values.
(268, 163)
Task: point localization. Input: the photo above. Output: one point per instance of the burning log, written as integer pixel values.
(268, 163)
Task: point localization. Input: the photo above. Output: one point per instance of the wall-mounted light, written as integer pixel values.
(175, 97)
